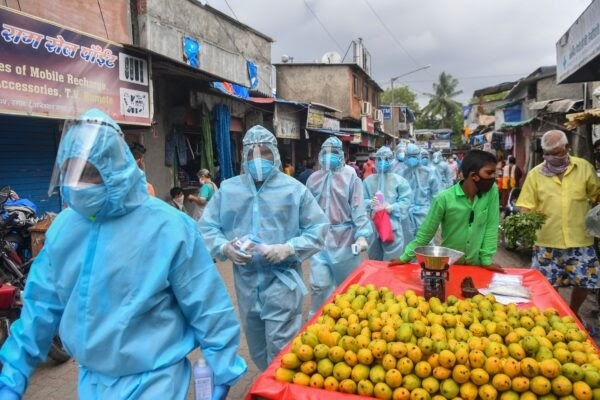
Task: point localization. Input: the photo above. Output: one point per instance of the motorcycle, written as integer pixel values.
(14, 235)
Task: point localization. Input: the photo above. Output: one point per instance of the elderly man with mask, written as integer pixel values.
(339, 192)
(128, 312)
(442, 168)
(267, 223)
(396, 200)
(424, 184)
(562, 188)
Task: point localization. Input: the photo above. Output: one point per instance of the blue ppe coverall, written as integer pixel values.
(339, 192)
(398, 164)
(132, 289)
(396, 193)
(424, 184)
(279, 210)
(442, 169)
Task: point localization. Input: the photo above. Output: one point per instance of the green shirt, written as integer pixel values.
(453, 210)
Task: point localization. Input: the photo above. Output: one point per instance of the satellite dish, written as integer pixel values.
(285, 58)
(331, 57)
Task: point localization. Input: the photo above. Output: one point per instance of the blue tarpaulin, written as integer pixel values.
(252, 74)
(232, 89)
(222, 118)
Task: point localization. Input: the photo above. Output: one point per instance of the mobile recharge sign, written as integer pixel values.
(49, 71)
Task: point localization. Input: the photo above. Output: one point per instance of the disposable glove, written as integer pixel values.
(235, 255)
(8, 394)
(276, 253)
(388, 208)
(362, 244)
(220, 392)
(375, 203)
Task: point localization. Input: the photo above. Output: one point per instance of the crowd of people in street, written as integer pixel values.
(121, 268)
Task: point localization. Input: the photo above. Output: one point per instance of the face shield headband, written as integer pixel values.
(259, 162)
(76, 143)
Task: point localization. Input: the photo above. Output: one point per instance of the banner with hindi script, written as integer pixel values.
(48, 70)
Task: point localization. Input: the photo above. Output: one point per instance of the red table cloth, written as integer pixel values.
(399, 279)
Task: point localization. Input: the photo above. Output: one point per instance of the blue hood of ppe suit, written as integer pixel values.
(109, 153)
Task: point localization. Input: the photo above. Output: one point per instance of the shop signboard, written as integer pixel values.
(578, 47)
(441, 144)
(48, 70)
(314, 119)
(287, 123)
(387, 112)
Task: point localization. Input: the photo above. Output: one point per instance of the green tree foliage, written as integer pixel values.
(442, 105)
(402, 96)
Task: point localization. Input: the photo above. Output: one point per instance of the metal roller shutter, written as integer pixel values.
(27, 152)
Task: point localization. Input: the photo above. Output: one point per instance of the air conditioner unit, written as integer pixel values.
(366, 108)
(378, 115)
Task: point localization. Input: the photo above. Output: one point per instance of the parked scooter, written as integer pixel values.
(13, 272)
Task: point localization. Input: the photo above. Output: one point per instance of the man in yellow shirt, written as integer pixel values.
(562, 188)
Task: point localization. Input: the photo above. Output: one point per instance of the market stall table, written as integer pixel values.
(399, 279)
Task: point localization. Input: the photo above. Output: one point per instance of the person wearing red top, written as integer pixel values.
(368, 168)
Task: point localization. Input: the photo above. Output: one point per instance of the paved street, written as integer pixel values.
(51, 382)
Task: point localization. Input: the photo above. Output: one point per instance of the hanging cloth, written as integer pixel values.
(222, 119)
(176, 146)
(207, 157)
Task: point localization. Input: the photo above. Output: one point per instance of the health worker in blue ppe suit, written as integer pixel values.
(424, 184)
(396, 200)
(339, 192)
(398, 164)
(426, 162)
(286, 227)
(443, 170)
(127, 280)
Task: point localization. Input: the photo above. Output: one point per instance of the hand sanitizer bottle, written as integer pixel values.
(203, 380)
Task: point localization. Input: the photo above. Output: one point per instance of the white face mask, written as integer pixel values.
(179, 201)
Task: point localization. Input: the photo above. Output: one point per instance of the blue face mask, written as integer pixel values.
(383, 165)
(425, 162)
(412, 162)
(331, 161)
(86, 200)
(400, 156)
(259, 168)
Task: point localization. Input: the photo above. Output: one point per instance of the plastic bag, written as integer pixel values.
(383, 225)
(592, 221)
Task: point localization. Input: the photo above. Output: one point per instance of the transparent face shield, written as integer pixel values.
(259, 162)
(330, 157)
(73, 166)
(383, 163)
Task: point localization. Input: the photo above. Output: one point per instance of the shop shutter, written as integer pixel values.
(27, 152)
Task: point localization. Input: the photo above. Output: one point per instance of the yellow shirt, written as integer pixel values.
(565, 203)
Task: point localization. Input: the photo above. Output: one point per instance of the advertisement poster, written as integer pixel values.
(47, 70)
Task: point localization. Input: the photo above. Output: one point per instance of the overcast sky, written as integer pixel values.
(480, 42)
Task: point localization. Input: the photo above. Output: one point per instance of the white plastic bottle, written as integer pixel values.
(203, 380)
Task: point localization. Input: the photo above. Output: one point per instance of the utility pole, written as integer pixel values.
(394, 79)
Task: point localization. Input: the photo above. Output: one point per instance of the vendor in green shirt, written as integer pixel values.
(468, 213)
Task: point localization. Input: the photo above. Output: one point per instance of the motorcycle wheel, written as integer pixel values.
(57, 351)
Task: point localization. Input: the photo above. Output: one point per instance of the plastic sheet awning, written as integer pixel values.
(399, 279)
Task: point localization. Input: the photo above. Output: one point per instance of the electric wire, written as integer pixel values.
(103, 21)
(389, 31)
(323, 26)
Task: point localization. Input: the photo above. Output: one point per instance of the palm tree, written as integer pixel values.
(441, 104)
